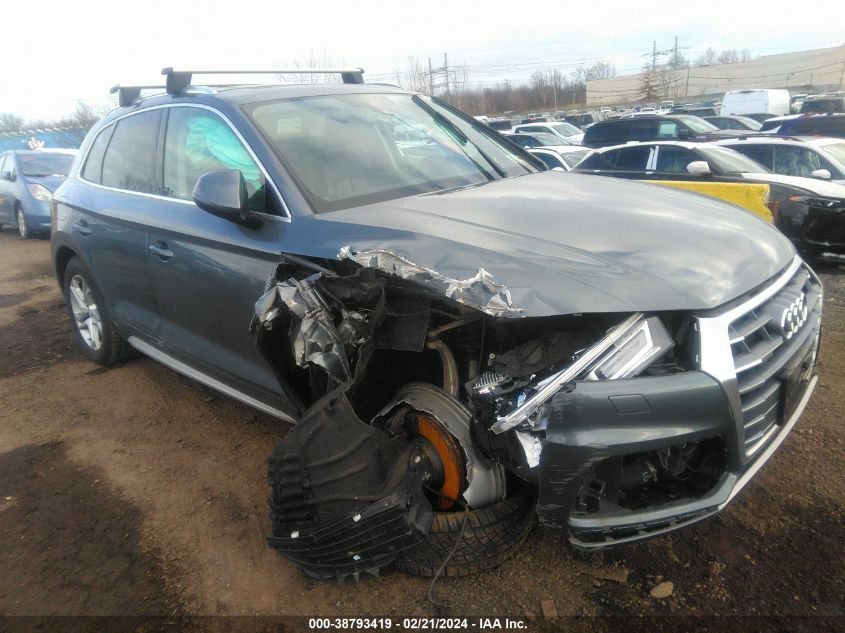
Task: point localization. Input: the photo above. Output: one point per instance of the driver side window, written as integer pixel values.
(198, 141)
(674, 160)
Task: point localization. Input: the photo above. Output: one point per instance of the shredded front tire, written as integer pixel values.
(492, 535)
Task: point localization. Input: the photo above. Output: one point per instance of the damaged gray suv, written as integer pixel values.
(465, 341)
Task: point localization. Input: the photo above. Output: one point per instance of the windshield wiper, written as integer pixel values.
(445, 123)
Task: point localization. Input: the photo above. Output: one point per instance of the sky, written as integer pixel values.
(65, 51)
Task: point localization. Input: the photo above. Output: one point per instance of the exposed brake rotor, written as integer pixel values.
(448, 464)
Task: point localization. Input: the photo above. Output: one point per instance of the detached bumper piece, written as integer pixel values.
(346, 499)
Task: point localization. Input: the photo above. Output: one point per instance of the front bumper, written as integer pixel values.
(746, 394)
(814, 224)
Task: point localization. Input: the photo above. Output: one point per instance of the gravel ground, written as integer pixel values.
(135, 491)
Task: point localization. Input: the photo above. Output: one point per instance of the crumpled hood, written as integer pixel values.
(562, 243)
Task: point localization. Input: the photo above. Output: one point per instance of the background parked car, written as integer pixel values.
(585, 119)
(28, 179)
(810, 212)
(538, 139)
(648, 128)
(824, 104)
(760, 100)
(561, 157)
(760, 117)
(561, 129)
(795, 156)
(737, 122)
(807, 124)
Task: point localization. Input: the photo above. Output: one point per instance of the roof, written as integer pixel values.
(46, 150)
(783, 140)
(253, 93)
(684, 144)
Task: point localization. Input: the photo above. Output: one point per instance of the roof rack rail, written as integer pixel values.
(127, 95)
(178, 80)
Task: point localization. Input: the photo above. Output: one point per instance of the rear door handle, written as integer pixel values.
(160, 250)
(82, 228)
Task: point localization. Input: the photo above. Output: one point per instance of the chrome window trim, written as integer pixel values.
(286, 218)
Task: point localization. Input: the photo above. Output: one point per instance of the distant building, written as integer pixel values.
(50, 137)
(817, 70)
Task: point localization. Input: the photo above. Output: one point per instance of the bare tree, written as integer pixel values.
(728, 56)
(84, 116)
(707, 58)
(415, 76)
(313, 60)
(10, 122)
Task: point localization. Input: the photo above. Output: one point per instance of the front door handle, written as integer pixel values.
(160, 250)
(82, 228)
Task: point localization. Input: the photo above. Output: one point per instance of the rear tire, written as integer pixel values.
(94, 331)
(492, 535)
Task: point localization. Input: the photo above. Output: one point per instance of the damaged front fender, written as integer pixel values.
(479, 291)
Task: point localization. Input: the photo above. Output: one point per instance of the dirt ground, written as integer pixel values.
(135, 491)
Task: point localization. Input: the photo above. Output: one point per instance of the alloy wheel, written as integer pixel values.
(85, 312)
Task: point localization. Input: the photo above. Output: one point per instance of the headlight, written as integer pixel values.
(40, 192)
(624, 352)
(635, 350)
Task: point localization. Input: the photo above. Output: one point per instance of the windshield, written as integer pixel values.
(566, 129)
(573, 158)
(730, 161)
(44, 164)
(836, 151)
(355, 149)
(538, 139)
(752, 124)
(698, 125)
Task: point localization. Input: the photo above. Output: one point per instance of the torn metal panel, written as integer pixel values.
(330, 317)
(314, 340)
(479, 291)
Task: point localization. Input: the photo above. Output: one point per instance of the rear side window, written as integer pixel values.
(93, 169)
(830, 126)
(198, 141)
(646, 130)
(607, 132)
(131, 155)
(634, 158)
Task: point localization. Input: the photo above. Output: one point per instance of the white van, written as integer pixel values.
(772, 101)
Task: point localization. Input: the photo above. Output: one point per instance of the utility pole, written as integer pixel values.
(446, 72)
(430, 79)
(654, 56)
(675, 58)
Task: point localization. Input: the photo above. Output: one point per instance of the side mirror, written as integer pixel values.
(821, 174)
(699, 168)
(684, 134)
(223, 193)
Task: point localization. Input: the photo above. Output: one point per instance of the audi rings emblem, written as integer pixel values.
(793, 316)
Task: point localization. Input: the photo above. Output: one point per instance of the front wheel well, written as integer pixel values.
(63, 256)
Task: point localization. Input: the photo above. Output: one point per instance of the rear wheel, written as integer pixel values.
(94, 331)
(23, 228)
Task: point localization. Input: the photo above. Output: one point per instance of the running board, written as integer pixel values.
(205, 379)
